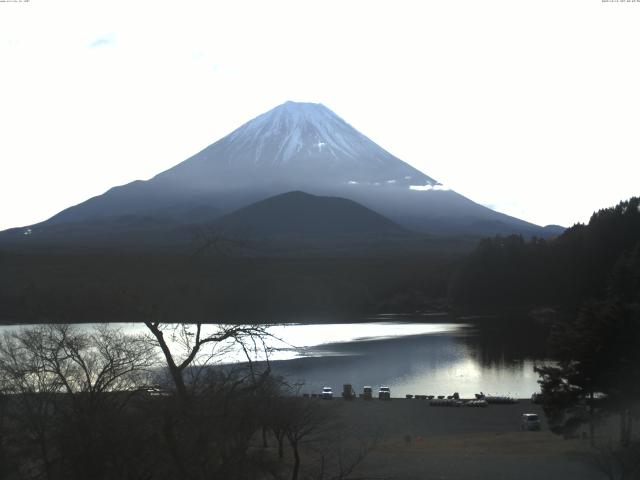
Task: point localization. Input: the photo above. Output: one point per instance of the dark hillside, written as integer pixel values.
(304, 214)
(565, 271)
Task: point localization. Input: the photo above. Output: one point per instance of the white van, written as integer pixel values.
(530, 421)
(327, 393)
(384, 393)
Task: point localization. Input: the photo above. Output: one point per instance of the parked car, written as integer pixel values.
(384, 393)
(327, 393)
(530, 421)
(367, 392)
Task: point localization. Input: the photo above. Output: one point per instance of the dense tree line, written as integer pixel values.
(597, 372)
(113, 286)
(511, 271)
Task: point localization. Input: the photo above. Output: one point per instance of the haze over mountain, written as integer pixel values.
(294, 147)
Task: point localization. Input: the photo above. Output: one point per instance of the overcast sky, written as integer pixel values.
(529, 107)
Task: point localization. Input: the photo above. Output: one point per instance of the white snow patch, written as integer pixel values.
(352, 182)
(423, 188)
(408, 177)
(391, 181)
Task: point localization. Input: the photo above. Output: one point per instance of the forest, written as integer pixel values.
(107, 287)
(226, 284)
(562, 273)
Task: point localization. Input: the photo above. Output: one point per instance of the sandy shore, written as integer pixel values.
(419, 441)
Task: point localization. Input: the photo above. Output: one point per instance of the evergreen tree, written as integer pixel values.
(598, 354)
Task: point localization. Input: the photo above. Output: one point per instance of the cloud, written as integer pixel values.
(103, 41)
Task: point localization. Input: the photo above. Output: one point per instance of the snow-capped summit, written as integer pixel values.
(300, 142)
(297, 130)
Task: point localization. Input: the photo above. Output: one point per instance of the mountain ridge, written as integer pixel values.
(298, 146)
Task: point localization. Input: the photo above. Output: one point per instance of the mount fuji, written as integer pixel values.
(293, 147)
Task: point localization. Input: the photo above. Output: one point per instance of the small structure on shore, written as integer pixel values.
(445, 402)
(348, 393)
(500, 399)
(367, 393)
(384, 393)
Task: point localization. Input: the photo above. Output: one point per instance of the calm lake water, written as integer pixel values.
(421, 355)
(416, 358)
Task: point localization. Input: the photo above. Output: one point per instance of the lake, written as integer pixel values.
(429, 355)
(415, 358)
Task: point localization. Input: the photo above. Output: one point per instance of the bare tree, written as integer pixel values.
(305, 418)
(4, 454)
(66, 384)
(22, 376)
(188, 351)
(339, 459)
(218, 409)
(103, 360)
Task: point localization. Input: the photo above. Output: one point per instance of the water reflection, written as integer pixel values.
(414, 356)
(436, 363)
(507, 340)
(323, 340)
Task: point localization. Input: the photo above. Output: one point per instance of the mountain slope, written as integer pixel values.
(295, 146)
(295, 142)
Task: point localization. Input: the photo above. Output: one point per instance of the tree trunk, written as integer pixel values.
(174, 449)
(264, 437)
(174, 371)
(296, 461)
(625, 428)
(45, 457)
(181, 388)
(591, 426)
